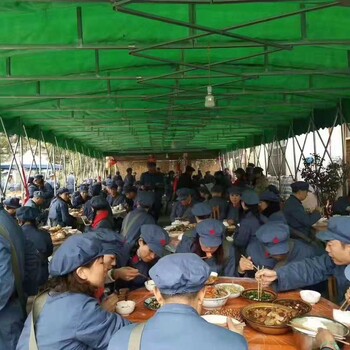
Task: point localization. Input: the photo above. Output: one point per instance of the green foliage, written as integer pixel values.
(326, 180)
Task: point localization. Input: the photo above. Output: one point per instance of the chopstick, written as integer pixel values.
(338, 337)
(344, 306)
(147, 278)
(244, 257)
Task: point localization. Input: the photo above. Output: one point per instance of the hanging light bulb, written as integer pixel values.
(209, 99)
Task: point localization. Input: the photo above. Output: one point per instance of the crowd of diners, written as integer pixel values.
(76, 308)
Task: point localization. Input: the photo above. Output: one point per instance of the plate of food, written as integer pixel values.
(268, 318)
(226, 311)
(235, 290)
(252, 294)
(152, 304)
(215, 297)
(221, 321)
(298, 307)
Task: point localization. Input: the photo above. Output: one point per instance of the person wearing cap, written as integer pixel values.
(274, 248)
(80, 197)
(71, 182)
(241, 180)
(296, 216)
(208, 178)
(182, 208)
(152, 180)
(209, 242)
(37, 201)
(71, 317)
(217, 202)
(113, 194)
(53, 182)
(132, 223)
(234, 210)
(342, 205)
(58, 212)
(250, 221)
(143, 255)
(185, 179)
(260, 181)
(270, 206)
(27, 219)
(127, 198)
(103, 217)
(11, 205)
(129, 179)
(201, 211)
(40, 185)
(16, 254)
(180, 289)
(317, 269)
(94, 190)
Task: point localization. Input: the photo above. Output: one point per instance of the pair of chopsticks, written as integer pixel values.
(339, 338)
(344, 306)
(244, 257)
(260, 285)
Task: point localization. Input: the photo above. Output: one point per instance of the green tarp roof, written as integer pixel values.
(122, 79)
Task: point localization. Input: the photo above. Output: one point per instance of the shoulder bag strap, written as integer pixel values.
(16, 270)
(38, 305)
(135, 337)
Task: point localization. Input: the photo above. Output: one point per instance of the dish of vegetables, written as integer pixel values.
(252, 295)
(152, 304)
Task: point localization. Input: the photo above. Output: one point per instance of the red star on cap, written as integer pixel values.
(276, 240)
(163, 242)
(267, 254)
(212, 232)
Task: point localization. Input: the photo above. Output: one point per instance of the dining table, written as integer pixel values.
(255, 339)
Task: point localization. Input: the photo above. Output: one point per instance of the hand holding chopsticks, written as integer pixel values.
(245, 258)
(346, 303)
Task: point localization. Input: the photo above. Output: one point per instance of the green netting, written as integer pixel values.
(86, 86)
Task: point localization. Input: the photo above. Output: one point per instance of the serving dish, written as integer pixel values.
(235, 290)
(268, 318)
(251, 294)
(152, 304)
(215, 297)
(298, 307)
(125, 308)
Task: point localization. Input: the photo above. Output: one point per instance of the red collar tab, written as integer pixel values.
(267, 254)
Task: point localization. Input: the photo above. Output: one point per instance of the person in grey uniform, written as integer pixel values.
(314, 270)
(180, 289)
(296, 216)
(182, 209)
(217, 201)
(58, 212)
(11, 205)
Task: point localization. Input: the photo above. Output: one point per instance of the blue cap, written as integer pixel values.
(183, 193)
(145, 198)
(112, 243)
(38, 194)
(203, 189)
(180, 273)
(12, 203)
(62, 191)
(95, 189)
(338, 230)
(76, 251)
(347, 272)
(274, 236)
(235, 190)
(84, 188)
(109, 182)
(129, 189)
(270, 196)
(113, 186)
(38, 177)
(300, 186)
(211, 232)
(155, 237)
(99, 202)
(250, 197)
(201, 209)
(27, 213)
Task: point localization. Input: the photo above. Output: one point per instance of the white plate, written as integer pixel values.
(219, 320)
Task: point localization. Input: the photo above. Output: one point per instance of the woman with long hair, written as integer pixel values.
(270, 206)
(71, 317)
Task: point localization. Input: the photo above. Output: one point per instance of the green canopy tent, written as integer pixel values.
(131, 77)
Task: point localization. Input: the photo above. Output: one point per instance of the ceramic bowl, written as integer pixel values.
(215, 303)
(235, 290)
(342, 317)
(219, 320)
(310, 296)
(150, 285)
(125, 308)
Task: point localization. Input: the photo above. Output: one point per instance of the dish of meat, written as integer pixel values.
(298, 307)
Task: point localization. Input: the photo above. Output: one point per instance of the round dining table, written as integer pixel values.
(256, 340)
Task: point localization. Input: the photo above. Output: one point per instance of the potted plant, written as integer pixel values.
(325, 179)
